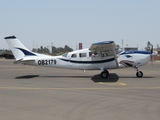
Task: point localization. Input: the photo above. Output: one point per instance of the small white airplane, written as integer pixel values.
(100, 56)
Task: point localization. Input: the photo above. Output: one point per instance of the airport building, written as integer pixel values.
(4, 54)
(130, 48)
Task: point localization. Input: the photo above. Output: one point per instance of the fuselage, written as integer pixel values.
(87, 60)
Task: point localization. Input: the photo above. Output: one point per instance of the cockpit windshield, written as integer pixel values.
(65, 54)
(118, 49)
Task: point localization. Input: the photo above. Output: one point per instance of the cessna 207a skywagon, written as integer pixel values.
(100, 56)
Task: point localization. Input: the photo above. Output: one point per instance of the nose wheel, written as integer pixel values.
(104, 74)
(139, 74)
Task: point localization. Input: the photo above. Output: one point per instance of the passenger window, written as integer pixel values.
(104, 54)
(93, 54)
(74, 56)
(82, 55)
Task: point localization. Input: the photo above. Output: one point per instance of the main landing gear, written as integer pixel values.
(139, 74)
(104, 74)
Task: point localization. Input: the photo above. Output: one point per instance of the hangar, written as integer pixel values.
(6, 55)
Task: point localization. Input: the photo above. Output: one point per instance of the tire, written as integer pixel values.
(104, 74)
(139, 74)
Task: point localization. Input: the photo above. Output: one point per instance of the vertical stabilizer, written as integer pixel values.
(17, 48)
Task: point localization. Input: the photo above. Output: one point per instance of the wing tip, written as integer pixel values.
(10, 37)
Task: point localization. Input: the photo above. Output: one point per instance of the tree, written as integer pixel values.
(41, 49)
(6, 51)
(34, 50)
(46, 50)
(67, 48)
(54, 49)
(60, 50)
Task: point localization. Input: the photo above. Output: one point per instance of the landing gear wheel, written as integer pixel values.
(139, 74)
(104, 74)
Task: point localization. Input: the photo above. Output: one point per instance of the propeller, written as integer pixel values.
(150, 48)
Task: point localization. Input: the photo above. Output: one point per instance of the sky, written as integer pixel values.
(69, 22)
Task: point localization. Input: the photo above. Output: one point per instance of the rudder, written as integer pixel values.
(17, 48)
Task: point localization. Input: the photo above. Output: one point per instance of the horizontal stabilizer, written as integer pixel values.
(21, 61)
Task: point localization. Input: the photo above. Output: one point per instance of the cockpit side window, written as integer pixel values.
(93, 54)
(73, 56)
(90, 54)
(104, 54)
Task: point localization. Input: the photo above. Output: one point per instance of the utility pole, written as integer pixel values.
(51, 47)
(33, 43)
(122, 44)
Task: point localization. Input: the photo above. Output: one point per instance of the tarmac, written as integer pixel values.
(42, 93)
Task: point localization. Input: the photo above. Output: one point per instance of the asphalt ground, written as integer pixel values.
(41, 93)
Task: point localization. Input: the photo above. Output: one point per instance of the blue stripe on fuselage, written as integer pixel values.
(135, 52)
(88, 62)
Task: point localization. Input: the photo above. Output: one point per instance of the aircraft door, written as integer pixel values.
(73, 61)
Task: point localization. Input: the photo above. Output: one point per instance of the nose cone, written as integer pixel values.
(146, 59)
(142, 60)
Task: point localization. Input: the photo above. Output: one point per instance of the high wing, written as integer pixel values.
(103, 46)
(107, 47)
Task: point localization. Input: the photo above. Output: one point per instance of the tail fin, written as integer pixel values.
(18, 49)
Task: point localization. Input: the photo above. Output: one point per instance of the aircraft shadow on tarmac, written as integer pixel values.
(113, 77)
(27, 77)
(33, 76)
(96, 78)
